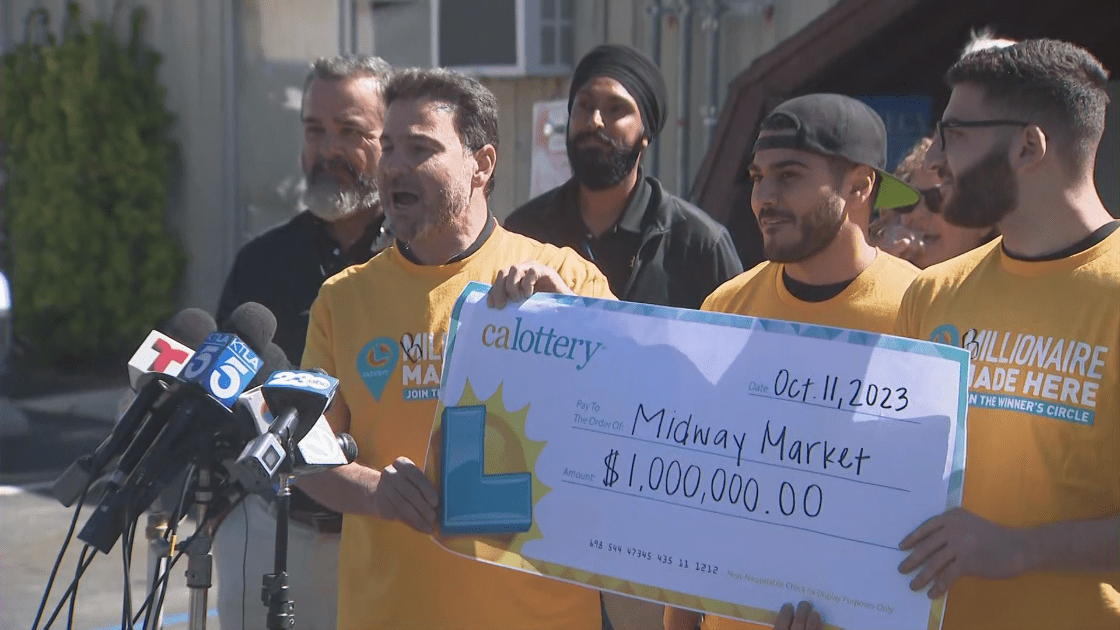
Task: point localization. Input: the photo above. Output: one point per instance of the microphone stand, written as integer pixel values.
(276, 591)
(200, 568)
(159, 559)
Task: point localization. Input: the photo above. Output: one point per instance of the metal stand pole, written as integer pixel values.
(200, 568)
(159, 557)
(276, 593)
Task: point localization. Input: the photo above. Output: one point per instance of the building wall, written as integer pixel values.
(195, 40)
(747, 30)
(279, 39)
(234, 71)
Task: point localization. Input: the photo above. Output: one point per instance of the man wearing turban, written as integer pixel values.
(652, 246)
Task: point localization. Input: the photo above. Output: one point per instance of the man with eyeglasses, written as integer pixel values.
(1037, 541)
(652, 246)
(919, 233)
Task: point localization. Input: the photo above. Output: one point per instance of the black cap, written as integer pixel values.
(841, 126)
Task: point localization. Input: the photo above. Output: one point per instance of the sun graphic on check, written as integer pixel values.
(506, 450)
(379, 354)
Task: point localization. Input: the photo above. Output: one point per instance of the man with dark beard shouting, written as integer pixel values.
(342, 224)
(653, 247)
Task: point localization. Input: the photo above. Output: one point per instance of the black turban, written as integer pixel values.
(635, 71)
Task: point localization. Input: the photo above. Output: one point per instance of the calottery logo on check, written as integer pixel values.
(522, 338)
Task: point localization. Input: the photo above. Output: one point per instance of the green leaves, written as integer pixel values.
(87, 154)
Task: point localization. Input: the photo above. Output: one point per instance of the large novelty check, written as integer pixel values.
(714, 462)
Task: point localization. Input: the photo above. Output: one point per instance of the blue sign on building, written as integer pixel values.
(908, 119)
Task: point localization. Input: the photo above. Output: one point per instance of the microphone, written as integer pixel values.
(160, 354)
(191, 326)
(211, 381)
(322, 449)
(223, 367)
(319, 450)
(252, 322)
(167, 353)
(300, 399)
(274, 359)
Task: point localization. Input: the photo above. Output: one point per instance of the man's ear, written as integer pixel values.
(487, 160)
(1030, 148)
(860, 183)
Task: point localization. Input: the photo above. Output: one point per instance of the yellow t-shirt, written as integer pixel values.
(381, 329)
(869, 303)
(1043, 418)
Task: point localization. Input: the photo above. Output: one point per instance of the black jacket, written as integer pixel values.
(683, 254)
(283, 268)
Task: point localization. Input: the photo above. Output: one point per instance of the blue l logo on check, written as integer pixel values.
(474, 502)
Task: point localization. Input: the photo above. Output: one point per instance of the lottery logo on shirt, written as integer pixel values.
(376, 362)
(420, 376)
(946, 334)
(1043, 375)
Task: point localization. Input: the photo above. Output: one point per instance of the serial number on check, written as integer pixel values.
(643, 554)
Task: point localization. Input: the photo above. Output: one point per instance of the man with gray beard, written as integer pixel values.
(341, 224)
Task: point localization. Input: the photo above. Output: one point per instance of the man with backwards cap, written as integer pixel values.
(818, 171)
(652, 246)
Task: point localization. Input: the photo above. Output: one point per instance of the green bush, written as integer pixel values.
(88, 155)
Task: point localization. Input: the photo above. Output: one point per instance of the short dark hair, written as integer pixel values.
(1057, 85)
(340, 67)
(474, 106)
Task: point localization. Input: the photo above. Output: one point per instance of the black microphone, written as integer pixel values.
(274, 361)
(188, 327)
(349, 447)
(320, 449)
(212, 380)
(297, 400)
(253, 323)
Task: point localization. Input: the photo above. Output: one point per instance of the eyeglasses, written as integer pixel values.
(931, 196)
(942, 125)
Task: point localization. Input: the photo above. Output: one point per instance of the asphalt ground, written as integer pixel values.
(33, 528)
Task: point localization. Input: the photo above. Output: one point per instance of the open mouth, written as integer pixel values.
(773, 222)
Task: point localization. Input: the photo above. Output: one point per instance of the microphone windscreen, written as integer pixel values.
(252, 323)
(274, 360)
(190, 327)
